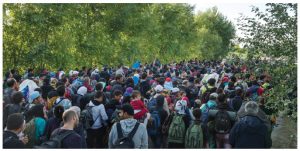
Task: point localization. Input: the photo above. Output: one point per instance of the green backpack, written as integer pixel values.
(176, 132)
(194, 137)
(30, 132)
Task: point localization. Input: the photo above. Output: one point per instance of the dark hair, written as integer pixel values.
(15, 121)
(160, 101)
(36, 111)
(17, 97)
(239, 92)
(59, 83)
(98, 94)
(211, 81)
(10, 82)
(197, 113)
(64, 80)
(46, 81)
(52, 94)
(144, 75)
(117, 93)
(98, 86)
(221, 98)
(38, 89)
(135, 93)
(68, 115)
(58, 111)
(61, 90)
(118, 77)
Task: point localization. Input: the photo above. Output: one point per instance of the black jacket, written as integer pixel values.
(11, 140)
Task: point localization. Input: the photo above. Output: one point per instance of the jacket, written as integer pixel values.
(11, 140)
(140, 138)
(99, 115)
(249, 132)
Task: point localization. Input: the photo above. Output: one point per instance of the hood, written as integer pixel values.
(128, 125)
(252, 123)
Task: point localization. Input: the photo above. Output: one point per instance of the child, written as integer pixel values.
(138, 105)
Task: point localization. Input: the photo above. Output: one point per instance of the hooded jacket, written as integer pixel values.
(140, 138)
(249, 132)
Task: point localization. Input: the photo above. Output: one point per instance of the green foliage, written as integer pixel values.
(272, 35)
(73, 35)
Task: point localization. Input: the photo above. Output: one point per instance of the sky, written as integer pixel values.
(231, 10)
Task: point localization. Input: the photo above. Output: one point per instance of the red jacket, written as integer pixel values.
(139, 105)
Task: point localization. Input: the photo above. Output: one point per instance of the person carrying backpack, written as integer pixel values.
(180, 122)
(65, 137)
(99, 117)
(15, 126)
(128, 133)
(194, 135)
(207, 89)
(154, 126)
(223, 121)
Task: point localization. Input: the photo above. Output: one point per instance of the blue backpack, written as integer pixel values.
(253, 93)
(151, 104)
(153, 128)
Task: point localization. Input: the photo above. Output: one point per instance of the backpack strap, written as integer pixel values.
(131, 134)
(119, 130)
(55, 104)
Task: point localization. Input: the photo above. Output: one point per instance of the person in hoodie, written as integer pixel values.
(140, 138)
(250, 131)
(138, 105)
(94, 135)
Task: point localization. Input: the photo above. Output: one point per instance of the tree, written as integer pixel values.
(273, 35)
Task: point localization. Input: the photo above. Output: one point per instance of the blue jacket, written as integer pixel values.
(249, 132)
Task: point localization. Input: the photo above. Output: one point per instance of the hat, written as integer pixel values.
(75, 73)
(213, 96)
(82, 90)
(168, 79)
(126, 108)
(128, 92)
(175, 90)
(238, 88)
(158, 89)
(34, 95)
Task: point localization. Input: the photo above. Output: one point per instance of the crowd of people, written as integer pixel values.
(189, 104)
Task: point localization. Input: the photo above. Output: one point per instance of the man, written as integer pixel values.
(13, 86)
(118, 85)
(250, 131)
(145, 86)
(70, 120)
(35, 98)
(15, 107)
(127, 124)
(15, 126)
(66, 103)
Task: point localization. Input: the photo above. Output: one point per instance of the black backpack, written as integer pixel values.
(222, 122)
(86, 117)
(125, 142)
(55, 141)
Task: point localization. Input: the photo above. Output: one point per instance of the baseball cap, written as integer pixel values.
(34, 95)
(158, 88)
(175, 90)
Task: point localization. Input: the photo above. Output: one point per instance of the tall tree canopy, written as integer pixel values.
(67, 35)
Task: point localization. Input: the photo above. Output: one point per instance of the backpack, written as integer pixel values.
(205, 95)
(30, 132)
(86, 117)
(151, 105)
(154, 125)
(204, 116)
(253, 92)
(222, 122)
(194, 136)
(125, 142)
(176, 132)
(55, 141)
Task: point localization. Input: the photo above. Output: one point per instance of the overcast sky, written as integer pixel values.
(231, 10)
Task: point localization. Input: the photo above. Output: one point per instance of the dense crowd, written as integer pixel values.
(189, 104)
